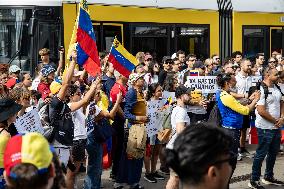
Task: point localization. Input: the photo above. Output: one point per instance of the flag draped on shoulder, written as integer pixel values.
(122, 60)
(84, 41)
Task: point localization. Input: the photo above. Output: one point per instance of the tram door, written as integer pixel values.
(105, 34)
(277, 40)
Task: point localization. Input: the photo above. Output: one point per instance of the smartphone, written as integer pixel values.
(61, 48)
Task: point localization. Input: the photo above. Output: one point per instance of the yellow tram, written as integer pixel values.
(202, 27)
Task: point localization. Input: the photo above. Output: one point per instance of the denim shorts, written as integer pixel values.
(78, 150)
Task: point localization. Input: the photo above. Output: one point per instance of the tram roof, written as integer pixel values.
(238, 5)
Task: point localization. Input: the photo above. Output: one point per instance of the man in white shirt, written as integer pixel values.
(244, 82)
(269, 119)
(179, 120)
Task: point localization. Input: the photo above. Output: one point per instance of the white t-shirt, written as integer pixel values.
(78, 118)
(243, 83)
(35, 83)
(92, 112)
(272, 106)
(179, 115)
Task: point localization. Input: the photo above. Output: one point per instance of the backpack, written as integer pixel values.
(47, 124)
(215, 118)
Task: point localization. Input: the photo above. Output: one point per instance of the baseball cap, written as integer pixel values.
(134, 77)
(30, 148)
(180, 90)
(46, 70)
(14, 69)
(165, 58)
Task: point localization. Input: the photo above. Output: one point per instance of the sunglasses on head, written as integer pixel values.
(168, 62)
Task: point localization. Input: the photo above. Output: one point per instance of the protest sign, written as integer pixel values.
(29, 122)
(207, 84)
(196, 95)
(153, 107)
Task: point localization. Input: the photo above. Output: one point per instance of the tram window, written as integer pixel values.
(105, 35)
(98, 37)
(49, 38)
(153, 45)
(13, 32)
(253, 41)
(110, 32)
(253, 32)
(276, 40)
(193, 40)
(150, 31)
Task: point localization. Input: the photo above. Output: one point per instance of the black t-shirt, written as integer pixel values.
(108, 83)
(60, 113)
(162, 77)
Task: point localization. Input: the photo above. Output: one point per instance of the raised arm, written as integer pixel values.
(67, 77)
(77, 105)
(112, 113)
(61, 62)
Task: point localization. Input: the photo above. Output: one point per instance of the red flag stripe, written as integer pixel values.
(121, 69)
(88, 45)
(91, 67)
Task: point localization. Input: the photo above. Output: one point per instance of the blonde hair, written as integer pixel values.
(208, 61)
(140, 56)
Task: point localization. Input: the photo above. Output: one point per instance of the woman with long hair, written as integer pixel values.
(151, 156)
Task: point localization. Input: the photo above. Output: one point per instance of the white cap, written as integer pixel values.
(14, 68)
(174, 56)
(77, 73)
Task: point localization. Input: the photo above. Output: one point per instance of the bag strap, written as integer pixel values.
(278, 87)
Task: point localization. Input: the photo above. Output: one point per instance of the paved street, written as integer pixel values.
(242, 171)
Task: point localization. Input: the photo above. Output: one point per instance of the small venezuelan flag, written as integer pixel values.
(84, 41)
(122, 60)
(194, 73)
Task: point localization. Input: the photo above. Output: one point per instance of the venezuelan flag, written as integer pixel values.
(122, 60)
(193, 73)
(84, 41)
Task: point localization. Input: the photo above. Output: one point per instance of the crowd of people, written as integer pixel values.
(85, 117)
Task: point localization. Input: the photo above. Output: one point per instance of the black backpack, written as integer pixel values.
(49, 125)
(215, 118)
